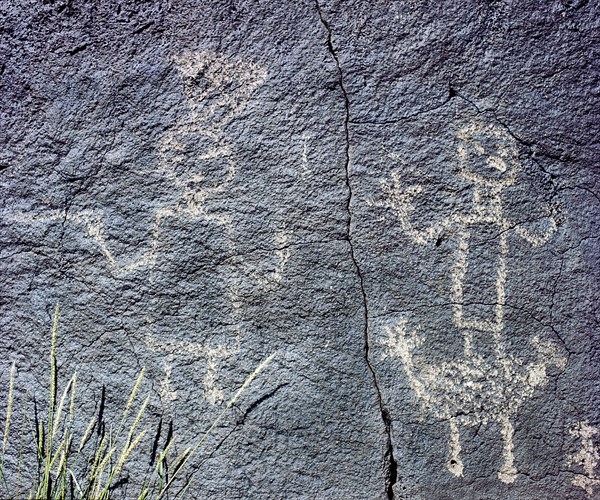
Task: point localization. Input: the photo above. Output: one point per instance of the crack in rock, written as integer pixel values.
(390, 463)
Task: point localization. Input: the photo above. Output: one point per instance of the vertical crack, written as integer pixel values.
(391, 473)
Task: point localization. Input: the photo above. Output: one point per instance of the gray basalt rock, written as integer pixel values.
(398, 199)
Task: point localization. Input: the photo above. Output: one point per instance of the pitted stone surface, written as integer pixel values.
(399, 199)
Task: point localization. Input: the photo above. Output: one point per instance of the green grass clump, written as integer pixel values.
(92, 466)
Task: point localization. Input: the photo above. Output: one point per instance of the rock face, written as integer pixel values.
(399, 199)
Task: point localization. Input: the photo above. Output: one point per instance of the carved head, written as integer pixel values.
(195, 153)
(217, 88)
(487, 155)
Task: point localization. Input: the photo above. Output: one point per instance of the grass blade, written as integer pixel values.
(9, 407)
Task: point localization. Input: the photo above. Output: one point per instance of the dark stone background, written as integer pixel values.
(298, 253)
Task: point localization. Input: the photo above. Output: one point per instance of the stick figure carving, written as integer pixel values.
(198, 161)
(476, 389)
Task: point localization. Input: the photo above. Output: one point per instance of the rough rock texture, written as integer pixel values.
(400, 199)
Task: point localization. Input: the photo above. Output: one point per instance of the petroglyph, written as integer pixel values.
(195, 155)
(305, 171)
(167, 394)
(477, 389)
(213, 355)
(198, 161)
(93, 222)
(455, 464)
(587, 457)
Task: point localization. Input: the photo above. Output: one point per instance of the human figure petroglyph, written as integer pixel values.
(476, 389)
(217, 90)
(198, 161)
(587, 457)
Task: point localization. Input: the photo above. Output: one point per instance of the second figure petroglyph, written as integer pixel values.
(197, 161)
(478, 388)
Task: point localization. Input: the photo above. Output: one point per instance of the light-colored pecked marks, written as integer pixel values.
(587, 457)
(476, 389)
(196, 157)
(198, 161)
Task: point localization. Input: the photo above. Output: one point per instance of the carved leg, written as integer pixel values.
(507, 473)
(455, 464)
(213, 394)
(167, 393)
